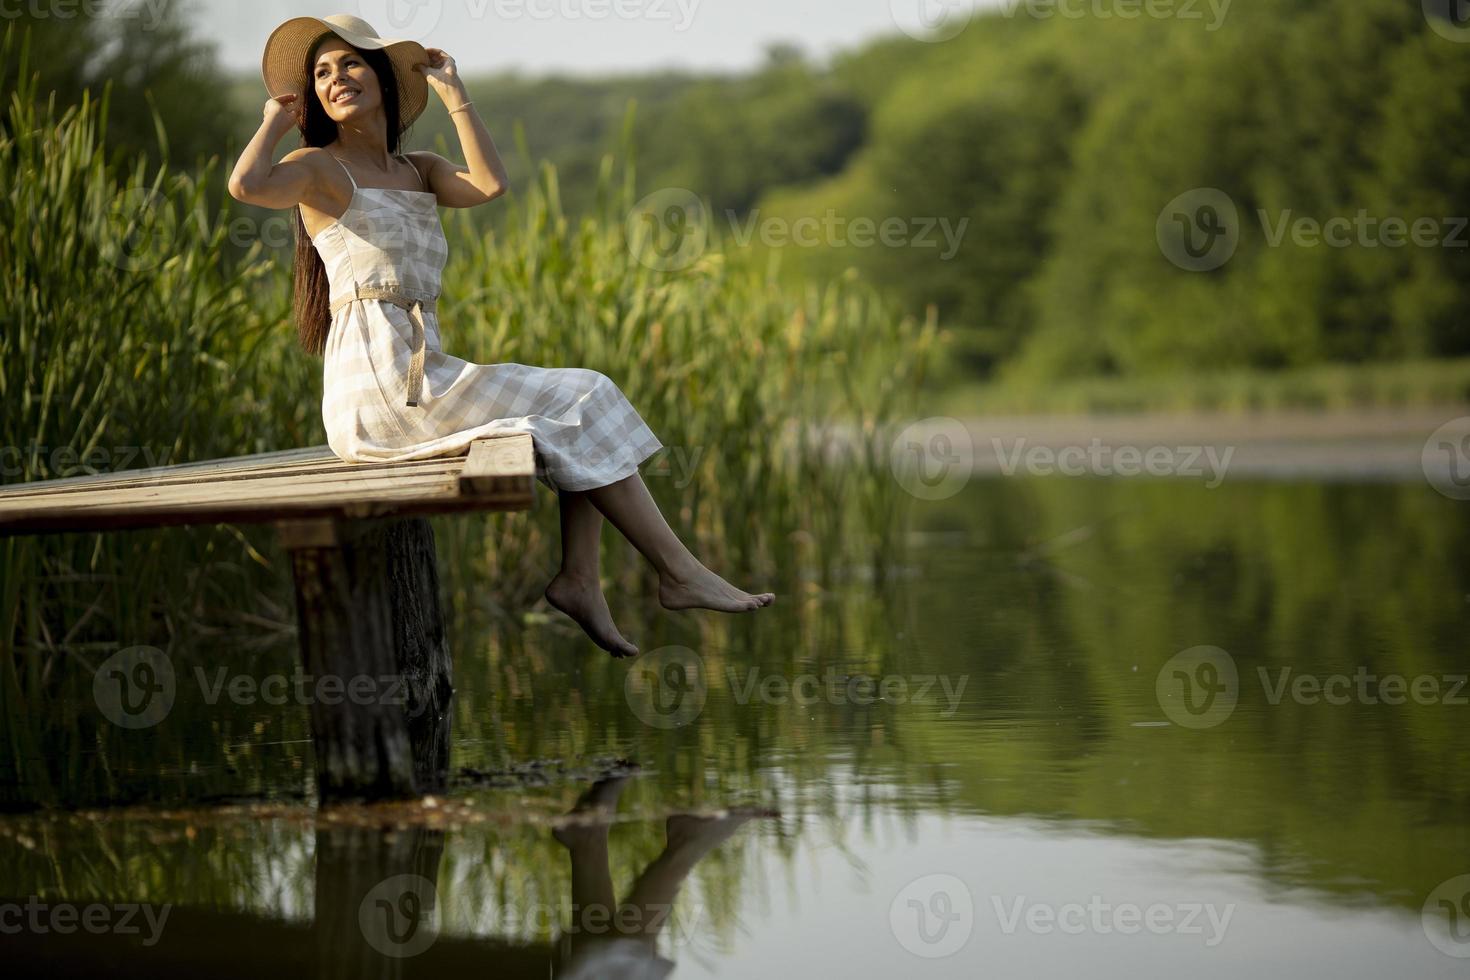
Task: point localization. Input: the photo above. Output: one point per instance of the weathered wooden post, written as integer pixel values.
(376, 906)
(368, 606)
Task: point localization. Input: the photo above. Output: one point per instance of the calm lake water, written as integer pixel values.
(1080, 727)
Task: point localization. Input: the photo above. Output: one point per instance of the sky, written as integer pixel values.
(585, 36)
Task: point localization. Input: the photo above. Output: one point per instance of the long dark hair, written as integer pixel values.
(311, 291)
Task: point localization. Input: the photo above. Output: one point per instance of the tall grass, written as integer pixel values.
(137, 331)
(126, 342)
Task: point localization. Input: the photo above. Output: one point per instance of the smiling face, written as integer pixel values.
(344, 82)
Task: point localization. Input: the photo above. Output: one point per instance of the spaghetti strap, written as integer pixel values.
(416, 170)
(344, 168)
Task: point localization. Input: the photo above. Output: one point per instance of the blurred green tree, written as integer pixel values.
(147, 58)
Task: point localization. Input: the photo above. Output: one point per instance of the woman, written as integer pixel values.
(370, 250)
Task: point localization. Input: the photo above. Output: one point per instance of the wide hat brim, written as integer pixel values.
(284, 64)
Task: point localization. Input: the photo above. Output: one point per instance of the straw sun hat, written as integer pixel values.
(284, 63)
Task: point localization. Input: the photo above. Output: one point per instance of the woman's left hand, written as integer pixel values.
(442, 72)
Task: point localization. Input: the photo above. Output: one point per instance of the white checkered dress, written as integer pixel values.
(585, 432)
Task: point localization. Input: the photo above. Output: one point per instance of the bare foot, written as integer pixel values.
(696, 836)
(703, 589)
(585, 603)
(595, 809)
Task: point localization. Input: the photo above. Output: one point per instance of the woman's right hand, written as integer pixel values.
(281, 115)
(255, 180)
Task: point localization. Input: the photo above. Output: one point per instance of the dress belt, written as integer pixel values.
(415, 306)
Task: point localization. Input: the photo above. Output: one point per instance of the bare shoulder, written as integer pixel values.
(425, 160)
(324, 174)
(425, 157)
(313, 157)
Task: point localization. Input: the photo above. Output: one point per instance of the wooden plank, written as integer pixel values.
(189, 474)
(264, 461)
(315, 459)
(495, 466)
(125, 518)
(298, 484)
(282, 488)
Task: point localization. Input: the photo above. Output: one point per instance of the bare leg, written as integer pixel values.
(689, 839)
(593, 899)
(683, 582)
(577, 588)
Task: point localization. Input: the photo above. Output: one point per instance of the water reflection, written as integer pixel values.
(380, 892)
(1050, 770)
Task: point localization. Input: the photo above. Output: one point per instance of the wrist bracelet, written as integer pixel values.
(462, 108)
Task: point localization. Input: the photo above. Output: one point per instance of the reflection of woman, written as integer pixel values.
(609, 940)
(370, 250)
